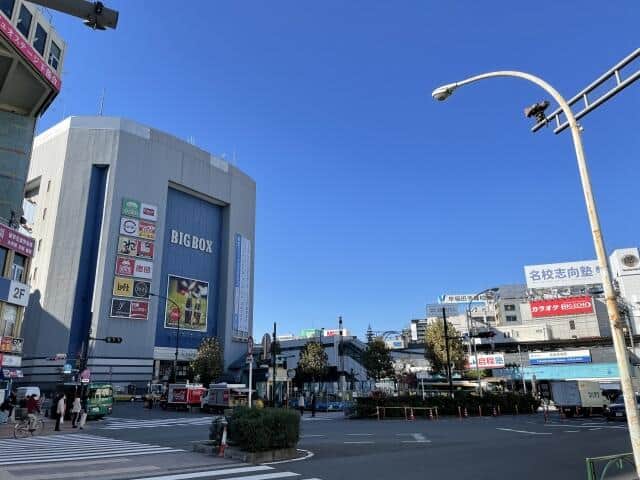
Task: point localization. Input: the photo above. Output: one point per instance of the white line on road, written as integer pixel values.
(522, 431)
(358, 443)
(359, 434)
(572, 431)
(209, 473)
(83, 474)
(307, 455)
(23, 468)
(614, 427)
(417, 438)
(301, 436)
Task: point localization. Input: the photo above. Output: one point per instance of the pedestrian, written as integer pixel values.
(6, 409)
(76, 411)
(313, 405)
(83, 412)
(61, 408)
(301, 404)
(33, 407)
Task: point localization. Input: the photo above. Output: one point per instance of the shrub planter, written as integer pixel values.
(207, 447)
(261, 457)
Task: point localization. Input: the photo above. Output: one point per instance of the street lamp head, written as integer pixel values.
(443, 92)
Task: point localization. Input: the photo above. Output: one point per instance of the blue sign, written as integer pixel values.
(561, 372)
(67, 368)
(560, 357)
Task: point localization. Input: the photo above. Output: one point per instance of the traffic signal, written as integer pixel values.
(113, 339)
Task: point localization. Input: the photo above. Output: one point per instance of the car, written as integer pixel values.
(616, 409)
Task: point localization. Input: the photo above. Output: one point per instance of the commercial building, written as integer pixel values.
(139, 235)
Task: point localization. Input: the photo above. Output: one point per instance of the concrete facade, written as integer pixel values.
(81, 171)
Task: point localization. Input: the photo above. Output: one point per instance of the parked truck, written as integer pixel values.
(578, 397)
(221, 396)
(182, 395)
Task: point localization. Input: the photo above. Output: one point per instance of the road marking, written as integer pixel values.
(121, 424)
(210, 473)
(358, 443)
(359, 434)
(522, 431)
(83, 474)
(572, 431)
(614, 427)
(308, 455)
(417, 438)
(596, 428)
(23, 468)
(302, 436)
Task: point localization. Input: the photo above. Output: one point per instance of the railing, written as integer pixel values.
(600, 468)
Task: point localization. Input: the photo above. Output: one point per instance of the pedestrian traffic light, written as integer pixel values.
(113, 339)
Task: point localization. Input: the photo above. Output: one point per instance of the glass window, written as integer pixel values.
(6, 6)
(40, 40)
(9, 318)
(54, 60)
(17, 269)
(510, 308)
(572, 324)
(24, 21)
(512, 318)
(3, 259)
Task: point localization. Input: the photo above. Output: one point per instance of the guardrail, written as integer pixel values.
(601, 468)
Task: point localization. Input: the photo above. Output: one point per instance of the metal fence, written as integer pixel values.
(619, 466)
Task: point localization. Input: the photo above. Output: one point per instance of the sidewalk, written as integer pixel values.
(6, 429)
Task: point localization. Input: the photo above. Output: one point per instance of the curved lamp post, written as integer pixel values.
(175, 360)
(617, 325)
(469, 322)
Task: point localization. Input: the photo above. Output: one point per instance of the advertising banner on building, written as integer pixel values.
(464, 298)
(561, 356)
(120, 308)
(139, 310)
(130, 287)
(562, 274)
(14, 240)
(242, 285)
(137, 209)
(11, 360)
(129, 267)
(495, 360)
(561, 306)
(135, 247)
(135, 227)
(188, 303)
(11, 345)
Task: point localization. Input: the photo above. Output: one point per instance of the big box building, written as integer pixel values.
(138, 235)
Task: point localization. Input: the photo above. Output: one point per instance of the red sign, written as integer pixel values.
(139, 310)
(25, 49)
(146, 229)
(125, 266)
(562, 306)
(14, 240)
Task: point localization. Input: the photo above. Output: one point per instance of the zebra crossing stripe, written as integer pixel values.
(120, 424)
(209, 473)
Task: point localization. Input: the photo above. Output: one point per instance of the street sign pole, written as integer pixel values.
(446, 347)
(250, 360)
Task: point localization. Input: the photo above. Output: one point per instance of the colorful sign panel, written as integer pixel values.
(11, 360)
(125, 308)
(562, 274)
(562, 356)
(137, 209)
(29, 53)
(495, 360)
(132, 267)
(242, 286)
(130, 287)
(14, 240)
(188, 302)
(11, 345)
(561, 306)
(135, 227)
(465, 298)
(135, 247)
(14, 292)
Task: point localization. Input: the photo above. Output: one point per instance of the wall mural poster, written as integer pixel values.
(189, 303)
(242, 286)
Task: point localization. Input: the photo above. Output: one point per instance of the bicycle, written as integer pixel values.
(22, 430)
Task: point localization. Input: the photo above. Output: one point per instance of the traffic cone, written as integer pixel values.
(223, 442)
(499, 412)
(460, 412)
(495, 412)
(466, 414)
(430, 414)
(411, 417)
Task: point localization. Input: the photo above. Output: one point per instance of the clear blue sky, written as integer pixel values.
(372, 198)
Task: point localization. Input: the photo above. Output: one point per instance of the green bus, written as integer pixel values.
(99, 397)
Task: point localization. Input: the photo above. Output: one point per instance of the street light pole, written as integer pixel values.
(475, 348)
(617, 325)
(175, 359)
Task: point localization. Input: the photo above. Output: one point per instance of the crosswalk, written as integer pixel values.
(112, 423)
(70, 448)
(232, 472)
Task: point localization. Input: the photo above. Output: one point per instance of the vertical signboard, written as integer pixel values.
(242, 286)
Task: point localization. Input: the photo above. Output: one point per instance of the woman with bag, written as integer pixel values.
(61, 408)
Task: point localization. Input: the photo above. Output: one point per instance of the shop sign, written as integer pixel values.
(129, 267)
(189, 240)
(129, 226)
(486, 361)
(11, 360)
(123, 287)
(130, 208)
(560, 356)
(135, 247)
(125, 266)
(120, 308)
(14, 240)
(14, 292)
(143, 269)
(141, 289)
(561, 306)
(147, 229)
(137, 228)
(148, 212)
(11, 373)
(11, 345)
(139, 310)
(563, 274)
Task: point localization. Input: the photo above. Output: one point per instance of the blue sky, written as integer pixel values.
(372, 198)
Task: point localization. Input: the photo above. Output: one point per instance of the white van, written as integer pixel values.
(24, 392)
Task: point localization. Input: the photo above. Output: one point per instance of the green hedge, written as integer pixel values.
(261, 429)
(506, 402)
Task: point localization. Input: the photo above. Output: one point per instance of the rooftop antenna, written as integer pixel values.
(101, 109)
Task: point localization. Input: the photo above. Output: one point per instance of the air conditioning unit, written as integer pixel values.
(628, 261)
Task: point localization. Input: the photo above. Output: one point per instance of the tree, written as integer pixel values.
(376, 360)
(313, 360)
(207, 365)
(435, 350)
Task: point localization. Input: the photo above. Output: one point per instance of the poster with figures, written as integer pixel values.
(242, 287)
(187, 304)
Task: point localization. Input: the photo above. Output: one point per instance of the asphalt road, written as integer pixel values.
(505, 447)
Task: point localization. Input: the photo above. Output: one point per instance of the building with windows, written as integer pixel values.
(139, 235)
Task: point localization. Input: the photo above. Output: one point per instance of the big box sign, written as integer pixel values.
(562, 306)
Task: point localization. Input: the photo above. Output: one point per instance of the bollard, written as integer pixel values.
(499, 412)
(437, 416)
(466, 414)
(223, 441)
(430, 414)
(378, 412)
(411, 416)
(479, 410)
(495, 412)
(460, 412)
(517, 413)
(532, 409)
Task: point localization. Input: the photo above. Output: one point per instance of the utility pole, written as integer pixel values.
(446, 346)
(524, 383)
(273, 364)
(341, 379)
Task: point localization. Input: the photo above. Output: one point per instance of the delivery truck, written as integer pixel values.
(182, 396)
(221, 396)
(578, 397)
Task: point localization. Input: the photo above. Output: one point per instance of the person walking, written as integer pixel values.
(61, 407)
(33, 407)
(6, 408)
(76, 410)
(301, 404)
(313, 405)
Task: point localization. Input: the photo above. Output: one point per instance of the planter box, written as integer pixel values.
(206, 447)
(261, 457)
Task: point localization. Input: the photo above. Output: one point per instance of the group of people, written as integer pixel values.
(33, 406)
(312, 404)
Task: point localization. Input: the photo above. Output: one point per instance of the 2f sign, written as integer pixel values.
(19, 293)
